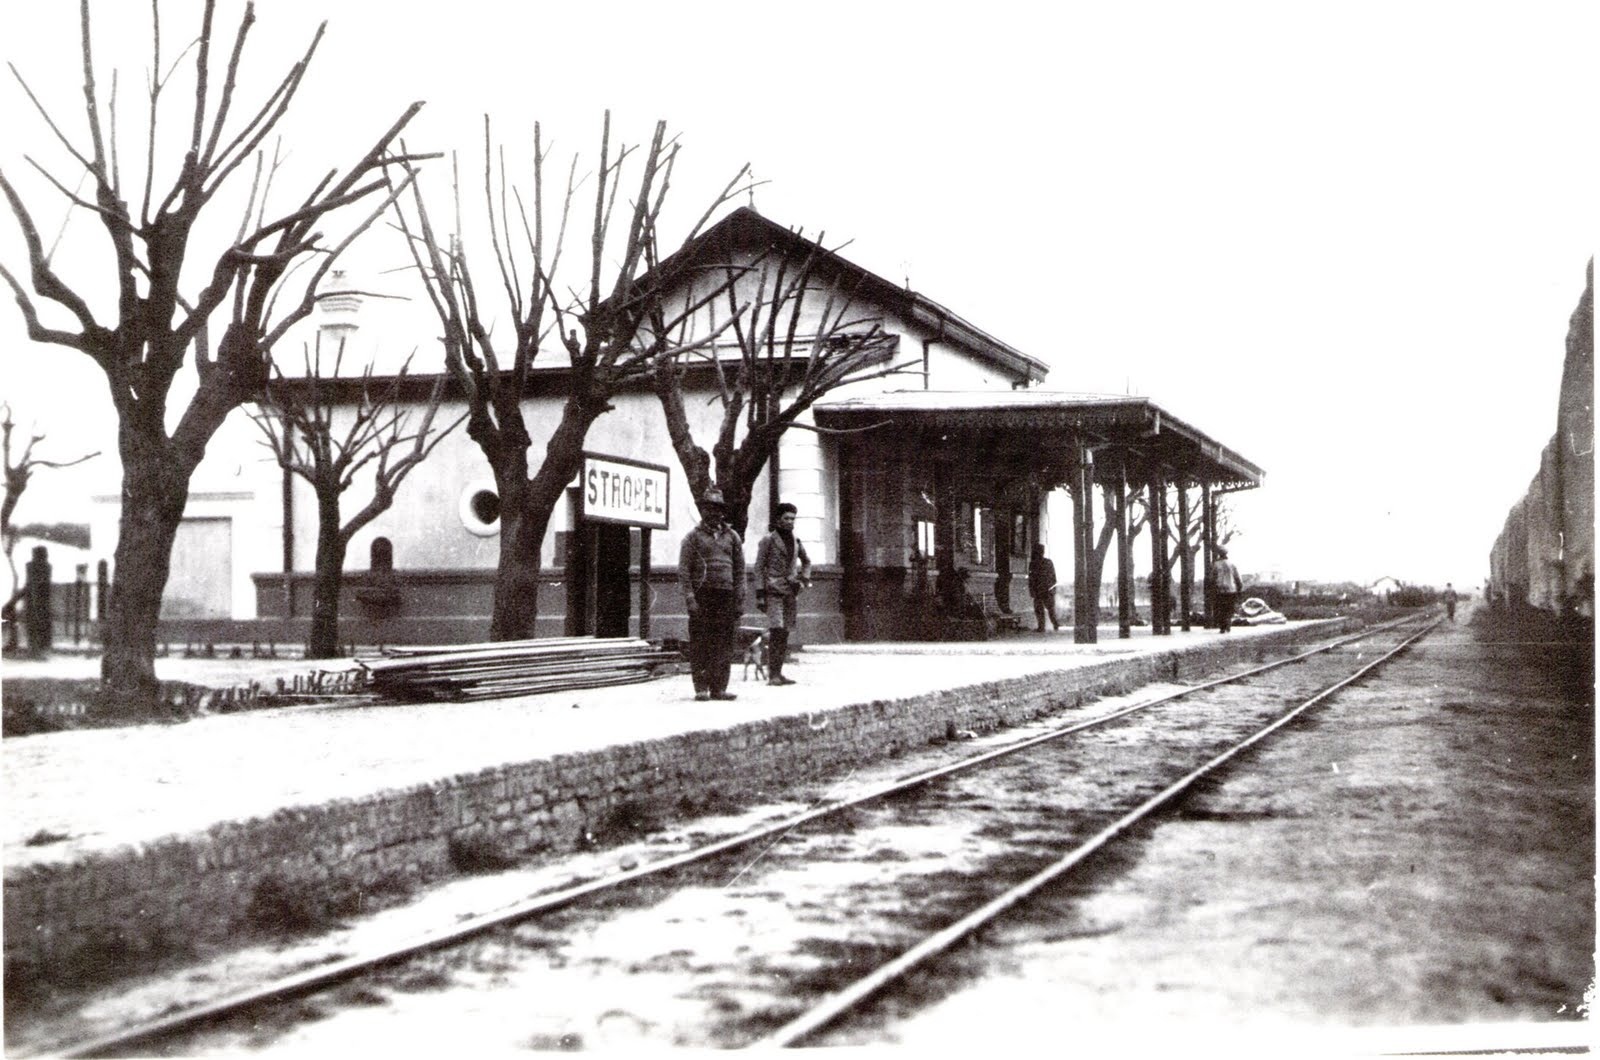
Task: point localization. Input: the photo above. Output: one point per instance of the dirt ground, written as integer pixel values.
(1416, 856)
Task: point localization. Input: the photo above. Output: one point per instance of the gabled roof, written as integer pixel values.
(744, 228)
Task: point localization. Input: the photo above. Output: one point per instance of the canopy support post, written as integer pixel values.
(1124, 557)
(1185, 556)
(1085, 608)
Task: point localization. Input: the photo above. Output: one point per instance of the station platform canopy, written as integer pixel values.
(1043, 424)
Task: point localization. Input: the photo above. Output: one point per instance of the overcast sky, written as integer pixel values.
(1343, 239)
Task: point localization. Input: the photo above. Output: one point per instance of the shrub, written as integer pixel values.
(628, 819)
(288, 903)
(1413, 596)
(480, 851)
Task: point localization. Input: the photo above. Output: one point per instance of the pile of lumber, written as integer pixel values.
(511, 668)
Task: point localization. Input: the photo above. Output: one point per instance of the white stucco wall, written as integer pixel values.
(426, 527)
(951, 368)
(238, 484)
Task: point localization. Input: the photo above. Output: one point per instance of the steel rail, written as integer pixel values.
(312, 980)
(821, 1015)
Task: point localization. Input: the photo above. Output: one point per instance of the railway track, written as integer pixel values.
(773, 936)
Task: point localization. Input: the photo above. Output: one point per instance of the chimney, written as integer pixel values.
(340, 305)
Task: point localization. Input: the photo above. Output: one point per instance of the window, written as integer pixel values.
(486, 506)
(925, 537)
(966, 521)
(480, 508)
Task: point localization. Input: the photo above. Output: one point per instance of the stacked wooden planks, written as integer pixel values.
(511, 668)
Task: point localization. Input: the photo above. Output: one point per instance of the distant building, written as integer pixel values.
(1384, 586)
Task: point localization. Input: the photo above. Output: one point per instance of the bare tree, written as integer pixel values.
(297, 420)
(1138, 514)
(1139, 517)
(797, 333)
(1179, 541)
(599, 325)
(18, 473)
(151, 234)
(1194, 541)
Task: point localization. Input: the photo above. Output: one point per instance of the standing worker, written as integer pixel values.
(1450, 599)
(1042, 587)
(711, 575)
(782, 570)
(1227, 584)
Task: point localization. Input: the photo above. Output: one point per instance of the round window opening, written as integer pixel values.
(480, 508)
(486, 506)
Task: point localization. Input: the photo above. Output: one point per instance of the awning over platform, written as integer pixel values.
(1031, 418)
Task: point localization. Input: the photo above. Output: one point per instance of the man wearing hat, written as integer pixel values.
(782, 570)
(711, 575)
(1227, 584)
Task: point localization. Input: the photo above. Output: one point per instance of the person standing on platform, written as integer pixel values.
(1450, 599)
(711, 575)
(1227, 585)
(1042, 587)
(782, 570)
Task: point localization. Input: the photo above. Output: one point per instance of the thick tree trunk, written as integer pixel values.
(737, 495)
(329, 581)
(1102, 548)
(731, 468)
(153, 498)
(516, 578)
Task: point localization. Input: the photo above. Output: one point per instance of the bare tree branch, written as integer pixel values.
(798, 335)
(47, 284)
(49, 121)
(18, 473)
(611, 325)
(296, 420)
(158, 327)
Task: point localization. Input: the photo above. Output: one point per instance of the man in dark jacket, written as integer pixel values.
(782, 570)
(1042, 587)
(711, 575)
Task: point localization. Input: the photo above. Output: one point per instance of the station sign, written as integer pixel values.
(614, 489)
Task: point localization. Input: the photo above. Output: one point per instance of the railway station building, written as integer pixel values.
(920, 494)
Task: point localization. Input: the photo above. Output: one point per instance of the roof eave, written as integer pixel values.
(930, 314)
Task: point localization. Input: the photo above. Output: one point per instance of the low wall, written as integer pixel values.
(134, 906)
(454, 606)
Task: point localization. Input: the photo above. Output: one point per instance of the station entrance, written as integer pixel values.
(620, 502)
(602, 561)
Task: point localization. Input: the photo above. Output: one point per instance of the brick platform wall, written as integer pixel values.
(135, 906)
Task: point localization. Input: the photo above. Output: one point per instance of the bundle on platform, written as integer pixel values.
(511, 668)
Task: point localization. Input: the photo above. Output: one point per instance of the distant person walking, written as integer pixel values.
(1042, 587)
(782, 570)
(1450, 599)
(711, 575)
(1227, 585)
